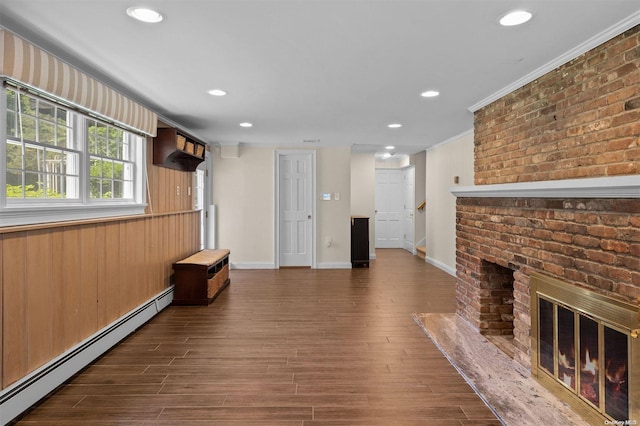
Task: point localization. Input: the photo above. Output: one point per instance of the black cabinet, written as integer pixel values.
(359, 241)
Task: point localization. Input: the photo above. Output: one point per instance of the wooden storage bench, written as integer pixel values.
(201, 277)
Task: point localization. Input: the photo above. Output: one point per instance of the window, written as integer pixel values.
(111, 165)
(73, 165)
(41, 158)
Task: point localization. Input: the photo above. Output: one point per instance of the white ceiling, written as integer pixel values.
(337, 71)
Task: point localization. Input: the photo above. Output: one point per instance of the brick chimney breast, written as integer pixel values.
(581, 121)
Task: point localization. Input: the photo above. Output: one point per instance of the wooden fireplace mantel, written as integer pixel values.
(600, 187)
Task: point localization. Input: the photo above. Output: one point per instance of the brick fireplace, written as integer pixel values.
(557, 192)
(593, 243)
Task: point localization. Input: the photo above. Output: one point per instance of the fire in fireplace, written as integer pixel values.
(586, 350)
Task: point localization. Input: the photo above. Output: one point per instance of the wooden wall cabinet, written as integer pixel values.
(199, 278)
(176, 150)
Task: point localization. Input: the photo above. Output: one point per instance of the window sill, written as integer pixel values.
(16, 216)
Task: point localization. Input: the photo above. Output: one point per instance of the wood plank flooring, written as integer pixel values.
(283, 347)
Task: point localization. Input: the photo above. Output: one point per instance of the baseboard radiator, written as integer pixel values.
(21, 395)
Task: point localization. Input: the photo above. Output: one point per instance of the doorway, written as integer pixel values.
(389, 208)
(395, 196)
(295, 208)
(408, 176)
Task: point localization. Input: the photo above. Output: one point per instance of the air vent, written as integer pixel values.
(311, 141)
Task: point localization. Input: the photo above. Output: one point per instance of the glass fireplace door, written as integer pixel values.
(585, 348)
(586, 355)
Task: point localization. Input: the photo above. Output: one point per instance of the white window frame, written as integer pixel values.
(22, 211)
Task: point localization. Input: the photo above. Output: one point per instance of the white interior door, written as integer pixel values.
(409, 203)
(389, 208)
(295, 179)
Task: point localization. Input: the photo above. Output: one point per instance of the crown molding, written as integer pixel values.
(581, 49)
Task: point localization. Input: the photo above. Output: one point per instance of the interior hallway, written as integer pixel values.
(284, 347)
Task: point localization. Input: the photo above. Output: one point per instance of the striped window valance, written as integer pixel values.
(25, 63)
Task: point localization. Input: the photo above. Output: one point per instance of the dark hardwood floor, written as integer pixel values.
(283, 347)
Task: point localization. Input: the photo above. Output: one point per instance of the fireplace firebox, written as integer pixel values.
(585, 349)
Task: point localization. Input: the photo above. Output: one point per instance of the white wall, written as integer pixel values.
(334, 217)
(396, 162)
(444, 162)
(363, 192)
(243, 190)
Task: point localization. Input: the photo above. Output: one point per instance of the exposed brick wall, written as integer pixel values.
(589, 243)
(581, 120)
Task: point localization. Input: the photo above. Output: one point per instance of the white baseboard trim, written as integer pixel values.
(372, 256)
(446, 268)
(267, 265)
(21, 395)
(243, 265)
(334, 265)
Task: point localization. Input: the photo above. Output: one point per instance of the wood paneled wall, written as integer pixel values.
(168, 189)
(60, 284)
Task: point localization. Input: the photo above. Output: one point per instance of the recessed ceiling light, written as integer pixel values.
(389, 147)
(430, 94)
(516, 17)
(394, 125)
(245, 124)
(217, 92)
(145, 14)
